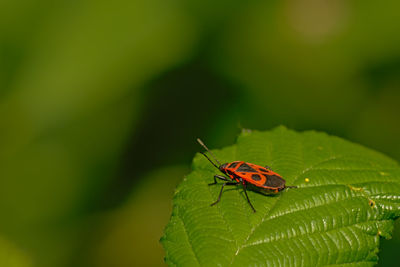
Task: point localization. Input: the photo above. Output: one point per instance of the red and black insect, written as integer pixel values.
(258, 178)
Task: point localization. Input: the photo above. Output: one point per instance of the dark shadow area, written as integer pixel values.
(181, 105)
(389, 248)
(381, 73)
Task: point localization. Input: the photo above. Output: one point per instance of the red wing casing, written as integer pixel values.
(260, 177)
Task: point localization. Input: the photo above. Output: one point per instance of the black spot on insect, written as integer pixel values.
(263, 170)
(233, 164)
(274, 181)
(245, 168)
(256, 177)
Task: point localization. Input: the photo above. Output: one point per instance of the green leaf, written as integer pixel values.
(351, 199)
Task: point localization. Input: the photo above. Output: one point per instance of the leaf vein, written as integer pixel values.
(261, 242)
(190, 243)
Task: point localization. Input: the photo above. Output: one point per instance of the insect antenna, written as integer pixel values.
(203, 145)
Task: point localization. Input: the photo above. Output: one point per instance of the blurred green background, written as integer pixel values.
(101, 103)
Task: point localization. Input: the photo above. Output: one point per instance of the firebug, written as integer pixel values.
(249, 175)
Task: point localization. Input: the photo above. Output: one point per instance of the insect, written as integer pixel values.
(250, 175)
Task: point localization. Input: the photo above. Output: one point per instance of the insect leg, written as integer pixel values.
(223, 178)
(220, 192)
(248, 200)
